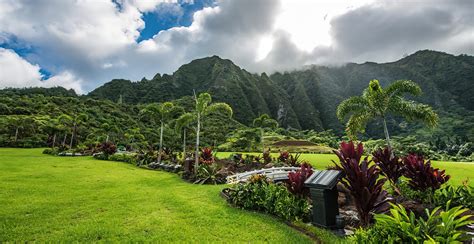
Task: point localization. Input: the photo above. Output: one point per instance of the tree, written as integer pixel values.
(182, 124)
(160, 113)
(203, 108)
(74, 122)
(262, 122)
(377, 103)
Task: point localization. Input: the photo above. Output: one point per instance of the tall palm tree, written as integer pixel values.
(182, 124)
(377, 103)
(77, 120)
(160, 113)
(203, 108)
(262, 122)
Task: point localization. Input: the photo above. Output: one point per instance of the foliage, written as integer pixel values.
(440, 226)
(390, 165)
(259, 194)
(421, 175)
(206, 156)
(123, 157)
(377, 103)
(208, 174)
(462, 195)
(296, 180)
(145, 157)
(107, 148)
(284, 156)
(362, 181)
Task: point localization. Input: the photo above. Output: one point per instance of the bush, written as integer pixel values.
(439, 226)
(459, 196)
(391, 165)
(262, 195)
(296, 180)
(421, 175)
(362, 181)
(107, 148)
(123, 157)
(208, 174)
(206, 156)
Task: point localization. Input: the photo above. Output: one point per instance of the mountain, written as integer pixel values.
(308, 98)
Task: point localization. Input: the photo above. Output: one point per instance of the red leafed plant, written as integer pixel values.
(296, 180)
(107, 148)
(391, 165)
(363, 181)
(206, 156)
(421, 175)
(284, 155)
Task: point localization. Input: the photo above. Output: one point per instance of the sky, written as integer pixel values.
(82, 44)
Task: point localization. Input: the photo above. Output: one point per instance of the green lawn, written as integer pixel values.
(46, 198)
(459, 171)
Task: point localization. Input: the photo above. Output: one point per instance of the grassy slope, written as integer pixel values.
(46, 198)
(459, 171)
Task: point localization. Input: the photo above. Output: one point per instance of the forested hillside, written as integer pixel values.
(307, 98)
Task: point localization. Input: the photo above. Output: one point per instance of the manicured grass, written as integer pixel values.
(459, 171)
(46, 198)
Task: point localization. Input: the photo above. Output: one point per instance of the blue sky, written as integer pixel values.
(83, 44)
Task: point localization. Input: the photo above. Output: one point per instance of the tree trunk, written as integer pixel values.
(263, 144)
(184, 145)
(107, 138)
(16, 134)
(54, 140)
(73, 134)
(387, 137)
(196, 156)
(64, 139)
(161, 143)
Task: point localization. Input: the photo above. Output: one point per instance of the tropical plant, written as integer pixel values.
(378, 103)
(160, 113)
(74, 122)
(206, 156)
(362, 181)
(262, 122)
(208, 174)
(183, 124)
(284, 156)
(462, 195)
(390, 165)
(421, 175)
(107, 148)
(296, 180)
(203, 108)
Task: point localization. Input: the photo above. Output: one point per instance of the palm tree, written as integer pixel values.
(262, 122)
(203, 108)
(160, 113)
(182, 124)
(73, 122)
(377, 103)
(64, 121)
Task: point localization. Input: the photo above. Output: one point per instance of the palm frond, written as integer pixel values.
(184, 121)
(400, 87)
(351, 105)
(357, 123)
(414, 111)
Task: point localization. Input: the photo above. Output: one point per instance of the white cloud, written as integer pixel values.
(17, 72)
(97, 41)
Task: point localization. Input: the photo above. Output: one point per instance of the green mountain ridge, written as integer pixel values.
(307, 98)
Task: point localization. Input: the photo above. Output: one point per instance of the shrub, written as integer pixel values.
(267, 157)
(208, 174)
(362, 181)
(421, 175)
(262, 195)
(294, 160)
(146, 157)
(296, 180)
(206, 156)
(390, 165)
(462, 195)
(107, 148)
(283, 157)
(123, 157)
(439, 226)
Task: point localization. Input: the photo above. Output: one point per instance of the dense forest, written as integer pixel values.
(307, 99)
(303, 102)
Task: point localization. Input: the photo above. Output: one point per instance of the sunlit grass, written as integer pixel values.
(63, 199)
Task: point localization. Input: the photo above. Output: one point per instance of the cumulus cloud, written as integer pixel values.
(97, 40)
(17, 72)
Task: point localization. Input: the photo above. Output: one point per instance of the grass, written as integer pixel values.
(52, 199)
(459, 171)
